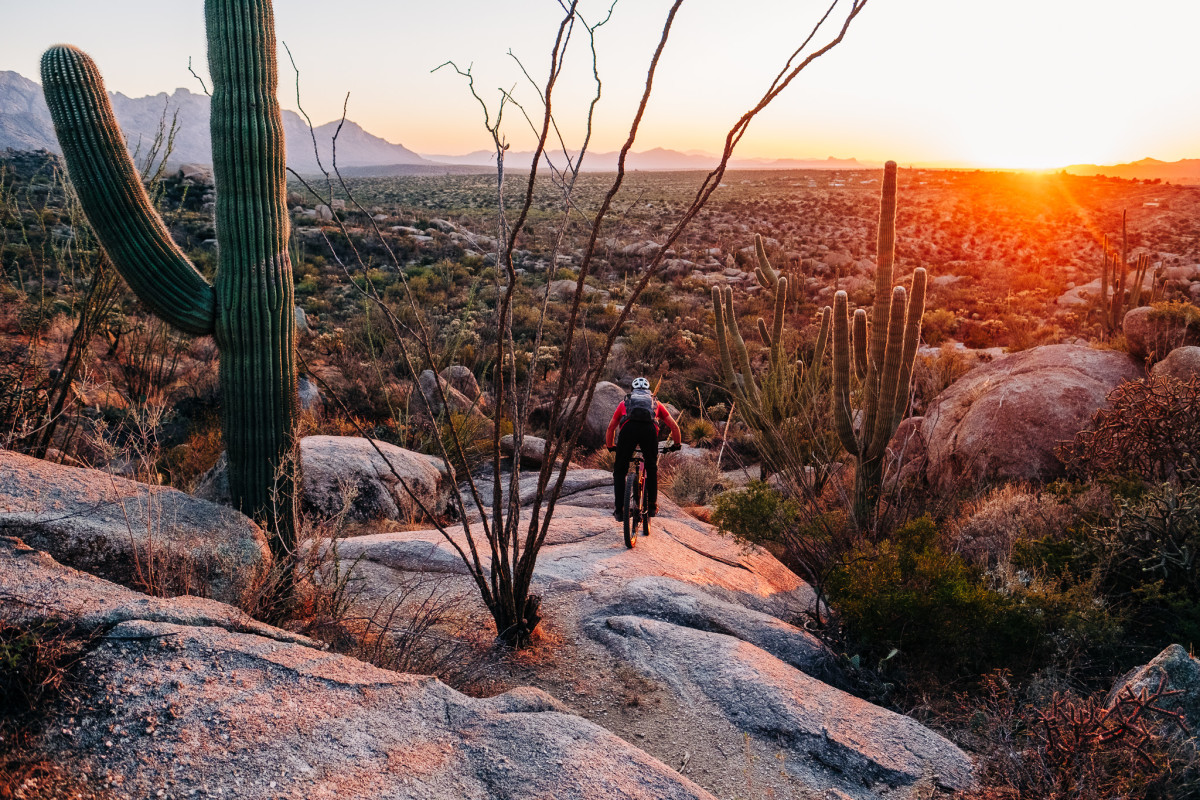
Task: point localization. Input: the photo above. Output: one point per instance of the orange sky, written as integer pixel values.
(1023, 83)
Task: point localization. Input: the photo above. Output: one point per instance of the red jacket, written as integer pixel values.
(661, 415)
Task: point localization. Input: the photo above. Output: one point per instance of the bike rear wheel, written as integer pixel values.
(631, 511)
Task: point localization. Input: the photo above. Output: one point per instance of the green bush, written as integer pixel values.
(905, 593)
(758, 514)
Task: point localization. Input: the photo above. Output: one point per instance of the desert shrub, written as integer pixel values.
(1069, 747)
(694, 481)
(1149, 429)
(1131, 580)
(938, 325)
(757, 514)
(700, 432)
(812, 544)
(989, 527)
(932, 374)
(35, 666)
(907, 594)
(1150, 556)
(186, 463)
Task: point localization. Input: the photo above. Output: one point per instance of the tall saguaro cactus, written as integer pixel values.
(250, 308)
(883, 354)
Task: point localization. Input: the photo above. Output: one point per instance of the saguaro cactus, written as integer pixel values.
(250, 309)
(789, 387)
(883, 363)
(1114, 271)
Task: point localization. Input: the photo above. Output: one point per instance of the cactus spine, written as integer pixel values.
(883, 363)
(249, 310)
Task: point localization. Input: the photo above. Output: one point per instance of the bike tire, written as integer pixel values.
(631, 532)
(645, 525)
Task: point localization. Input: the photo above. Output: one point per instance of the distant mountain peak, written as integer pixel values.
(25, 124)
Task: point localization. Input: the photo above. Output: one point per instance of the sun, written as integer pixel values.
(1010, 149)
(1028, 141)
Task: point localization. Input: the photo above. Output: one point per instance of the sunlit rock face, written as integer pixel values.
(1004, 420)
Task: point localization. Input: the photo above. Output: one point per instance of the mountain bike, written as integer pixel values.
(636, 514)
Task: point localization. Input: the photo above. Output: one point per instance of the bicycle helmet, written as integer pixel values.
(641, 383)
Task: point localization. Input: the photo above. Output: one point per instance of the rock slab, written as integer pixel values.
(188, 695)
(129, 532)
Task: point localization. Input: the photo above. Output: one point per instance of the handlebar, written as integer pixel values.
(670, 448)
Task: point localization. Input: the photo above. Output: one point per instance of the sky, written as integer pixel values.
(1019, 83)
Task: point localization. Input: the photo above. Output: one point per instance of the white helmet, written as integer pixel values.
(641, 383)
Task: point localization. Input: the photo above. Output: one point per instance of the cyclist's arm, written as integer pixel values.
(611, 434)
(665, 416)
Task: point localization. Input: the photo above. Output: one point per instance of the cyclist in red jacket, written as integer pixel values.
(636, 423)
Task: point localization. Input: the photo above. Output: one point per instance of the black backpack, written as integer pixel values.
(640, 405)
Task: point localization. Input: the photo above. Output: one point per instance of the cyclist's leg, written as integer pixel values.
(626, 442)
(648, 441)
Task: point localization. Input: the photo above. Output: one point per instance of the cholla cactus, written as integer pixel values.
(882, 355)
(250, 308)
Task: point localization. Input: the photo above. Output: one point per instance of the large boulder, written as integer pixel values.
(533, 449)
(1182, 363)
(1004, 420)
(427, 383)
(193, 696)
(1151, 333)
(129, 532)
(337, 468)
(462, 379)
(604, 402)
(1176, 671)
(334, 464)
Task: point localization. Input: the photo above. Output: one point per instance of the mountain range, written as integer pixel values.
(25, 125)
(1186, 170)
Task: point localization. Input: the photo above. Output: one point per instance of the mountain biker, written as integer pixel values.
(635, 424)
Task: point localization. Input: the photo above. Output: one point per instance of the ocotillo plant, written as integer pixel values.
(781, 410)
(883, 363)
(250, 309)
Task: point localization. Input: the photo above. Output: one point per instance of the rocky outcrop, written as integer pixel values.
(683, 645)
(189, 696)
(1177, 671)
(129, 532)
(533, 449)
(1182, 363)
(1003, 421)
(820, 729)
(1151, 333)
(462, 379)
(337, 469)
(34, 587)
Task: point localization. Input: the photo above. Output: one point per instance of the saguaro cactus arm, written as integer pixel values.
(766, 274)
(843, 415)
(111, 193)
